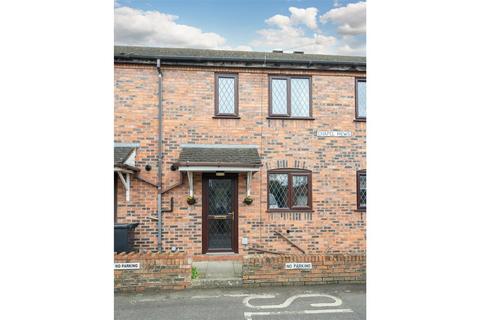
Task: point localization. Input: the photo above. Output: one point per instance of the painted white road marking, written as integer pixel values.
(337, 301)
(249, 315)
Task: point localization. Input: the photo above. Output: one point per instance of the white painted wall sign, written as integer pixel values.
(298, 265)
(334, 133)
(127, 266)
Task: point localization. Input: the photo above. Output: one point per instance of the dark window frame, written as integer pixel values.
(360, 207)
(115, 197)
(291, 172)
(357, 80)
(288, 115)
(233, 115)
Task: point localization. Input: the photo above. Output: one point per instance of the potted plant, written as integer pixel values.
(191, 200)
(248, 200)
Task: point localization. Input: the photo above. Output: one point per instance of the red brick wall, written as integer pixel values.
(268, 271)
(335, 226)
(136, 121)
(157, 272)
(188, 101)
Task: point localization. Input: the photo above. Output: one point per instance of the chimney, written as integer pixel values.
(277, 51)
(298, 52)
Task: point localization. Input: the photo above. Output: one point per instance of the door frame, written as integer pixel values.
(205, 177)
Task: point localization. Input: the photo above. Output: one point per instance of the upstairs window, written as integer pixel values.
(361, 99)
(290, 97)
(226, 95)
(362, 190)
(289, 190)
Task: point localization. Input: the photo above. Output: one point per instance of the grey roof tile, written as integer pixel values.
(224, 155)
(151, 52)
(121, 154)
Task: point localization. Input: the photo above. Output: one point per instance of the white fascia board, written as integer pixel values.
(215, 169)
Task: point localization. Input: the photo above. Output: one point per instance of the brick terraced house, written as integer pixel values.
(239, 153)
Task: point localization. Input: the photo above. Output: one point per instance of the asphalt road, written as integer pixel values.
(324, 302)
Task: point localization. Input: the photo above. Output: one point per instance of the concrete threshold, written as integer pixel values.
(218, 274)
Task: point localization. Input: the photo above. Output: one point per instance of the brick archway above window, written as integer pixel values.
(289, 164)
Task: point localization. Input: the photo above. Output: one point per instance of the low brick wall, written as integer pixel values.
(270, 270)
(158, 271)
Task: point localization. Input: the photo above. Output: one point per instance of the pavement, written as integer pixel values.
(327, 302)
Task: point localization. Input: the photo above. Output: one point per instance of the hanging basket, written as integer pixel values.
(248, 200)
(191, 200)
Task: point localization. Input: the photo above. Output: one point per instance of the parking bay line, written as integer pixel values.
(249, 315)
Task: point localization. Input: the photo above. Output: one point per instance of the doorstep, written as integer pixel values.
(223, 256)
(218, 274)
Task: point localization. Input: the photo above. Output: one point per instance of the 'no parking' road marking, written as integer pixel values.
(336, 302)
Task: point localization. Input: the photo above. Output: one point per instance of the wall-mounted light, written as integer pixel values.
(148, 167)
(220, 173)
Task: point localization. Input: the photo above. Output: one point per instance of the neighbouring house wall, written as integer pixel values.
(158, 271)
(334, 226)
(268, 271)
(136, 121)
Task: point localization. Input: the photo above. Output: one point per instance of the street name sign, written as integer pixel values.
(334, 133)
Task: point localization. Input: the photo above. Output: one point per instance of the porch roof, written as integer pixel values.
(122, 161)
(219, 157)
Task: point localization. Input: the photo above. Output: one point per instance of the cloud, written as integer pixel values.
(154, 28)
(279, 21)
(291, 37)
(307, 16)
(351, 19)
(298, 16)
(288, 33)
(300, 31)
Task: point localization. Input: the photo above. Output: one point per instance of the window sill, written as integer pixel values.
(226, 117)
(360, 120)
(361, 210)
(290, 118)
(288, 211)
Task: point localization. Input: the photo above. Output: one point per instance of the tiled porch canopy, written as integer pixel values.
(219, 157)
(124, 166)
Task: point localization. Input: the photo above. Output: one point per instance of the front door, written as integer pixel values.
(220, 213)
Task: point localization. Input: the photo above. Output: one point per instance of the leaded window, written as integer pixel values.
(289, 189)
(290, 97)
(226, 95)
(300, 97)
(361, 99)
(279, 96)
(362, 190)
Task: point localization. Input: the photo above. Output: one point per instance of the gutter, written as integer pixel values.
(227, 59)
(261, 63)
(160, 158)
(218, 164)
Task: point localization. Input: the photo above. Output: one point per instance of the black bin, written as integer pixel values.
(123, 237)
